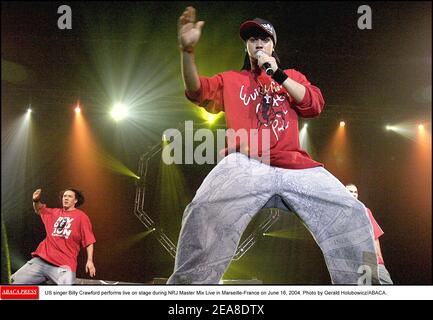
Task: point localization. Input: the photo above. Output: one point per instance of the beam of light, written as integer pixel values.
(119, 111)
(84, 171)
(337, 155)
(292, 234)
(237, 270)
(113, 164)
(408, 130)
(5, 256)
(125, 244)
(99, 157)
(28, 114)
(148, 86)
(209, 118)
(77, 109)
(305, 141)
(17, 161)
(418, 175)
(342, 123)
(174, 193)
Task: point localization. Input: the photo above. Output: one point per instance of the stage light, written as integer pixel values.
(342, 123)
(77, 109)
(408, 130)
(211, 118)
(28, 113)
(119, 111)
(293, 234)
(104, 159)
(305, 140)
(126, 244)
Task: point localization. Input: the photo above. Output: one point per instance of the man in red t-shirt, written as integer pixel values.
(265, 108)
(68, 229)
(384, 275)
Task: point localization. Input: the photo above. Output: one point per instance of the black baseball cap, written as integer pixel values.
(251, 27)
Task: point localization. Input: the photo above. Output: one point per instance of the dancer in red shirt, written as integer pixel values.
(67, 230)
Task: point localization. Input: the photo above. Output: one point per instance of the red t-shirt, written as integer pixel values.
(377, 230)
(66, 232)
(237, 93)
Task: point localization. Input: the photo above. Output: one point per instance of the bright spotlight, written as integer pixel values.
(388, 127)
(119, 111)
(211, 118)
(29, 111)
(77, 109)
(342, 123)
(305, 125)
(420, 127)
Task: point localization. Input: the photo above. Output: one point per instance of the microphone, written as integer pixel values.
(266, 66)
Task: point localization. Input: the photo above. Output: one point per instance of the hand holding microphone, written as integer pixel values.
(266, 65)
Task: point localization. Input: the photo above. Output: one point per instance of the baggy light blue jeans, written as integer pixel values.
(238, 187)
(38, 271)
(384, 276)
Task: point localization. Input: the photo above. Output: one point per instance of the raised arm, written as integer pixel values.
(37, 204)
(189, 33)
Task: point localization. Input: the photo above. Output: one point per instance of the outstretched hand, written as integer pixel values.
(189, 31)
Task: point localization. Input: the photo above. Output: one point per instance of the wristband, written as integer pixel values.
(279, 76)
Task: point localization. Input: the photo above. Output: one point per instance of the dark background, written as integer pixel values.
(369, 78)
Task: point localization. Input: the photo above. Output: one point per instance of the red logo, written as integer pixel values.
(19, 292)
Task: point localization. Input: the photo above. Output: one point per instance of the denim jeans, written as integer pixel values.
(38, 271)
(384, 275)
(238, 187)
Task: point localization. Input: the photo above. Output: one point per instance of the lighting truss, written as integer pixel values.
(257, 234)
(140, 197)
